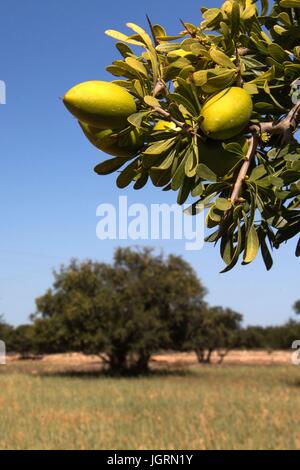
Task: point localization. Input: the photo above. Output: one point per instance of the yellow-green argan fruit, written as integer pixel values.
(108, 141)
(101, 104)
(217, 159)
(164, 126)
(226, 114)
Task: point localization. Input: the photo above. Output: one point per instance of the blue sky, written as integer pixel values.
(49, 190)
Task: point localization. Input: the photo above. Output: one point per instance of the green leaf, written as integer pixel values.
(257, 173)
(221, 59)
(109, 166)
(178, 176)
(205, 173)
(151, 101)
(236, 250)
(191, 162)
(124, 50)
(160, 147)
(167, 161)
(223, 204)
(136, 119)
(122, 37)
(265, 252)
(127, 175)
(219, 82)
(235, 19)
(141, 32)
(141, 181)
(184, 191)
(182, 100)
(234, 147)
(137, 65)
(276, 51)
(252, 246)
(290, 3)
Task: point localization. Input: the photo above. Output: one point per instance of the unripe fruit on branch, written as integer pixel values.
(226, 114)
(101, 104)
(109, 142)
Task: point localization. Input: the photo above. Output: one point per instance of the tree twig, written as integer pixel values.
(160, 87)
(240, 80)
(166, 114)
(285, 128)
(253, 143)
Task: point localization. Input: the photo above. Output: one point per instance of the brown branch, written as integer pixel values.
(243, 51)
(240, 80)
(253, 143)
(159, 87)
(166, 114)
(285, 128)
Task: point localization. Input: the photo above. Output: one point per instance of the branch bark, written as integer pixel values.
(285, 128)
(166, 114)
(253, 144)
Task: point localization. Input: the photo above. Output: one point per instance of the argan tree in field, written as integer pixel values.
(211, 113)
(123, 312)
(215, 329)
(297, 307)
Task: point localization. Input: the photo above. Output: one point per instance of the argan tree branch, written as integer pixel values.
(166, 114)
(285, 128)
(253, 143)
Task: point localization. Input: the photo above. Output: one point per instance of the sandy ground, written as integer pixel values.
(174, 359)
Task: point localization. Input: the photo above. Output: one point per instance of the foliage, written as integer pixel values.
(216, 329)
(124, 311)
(6, 333)
(297, 306)
(255, 206)
(270, 337)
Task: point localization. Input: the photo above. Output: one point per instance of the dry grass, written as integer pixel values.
(54, 404)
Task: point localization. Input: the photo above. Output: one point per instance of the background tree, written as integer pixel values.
(297, 307)
(124, 312)
(214, 329)
(24, 341)
(6, 334)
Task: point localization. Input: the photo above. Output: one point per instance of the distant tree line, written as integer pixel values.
(128, 310)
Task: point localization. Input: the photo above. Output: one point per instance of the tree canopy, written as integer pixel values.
(124, 311)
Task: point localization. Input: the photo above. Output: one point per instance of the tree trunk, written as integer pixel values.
(200, 355)
(207, 360)
(118, 362)
(222, 356)
(142, 363)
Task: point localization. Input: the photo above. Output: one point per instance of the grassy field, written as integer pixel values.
(228, 407)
